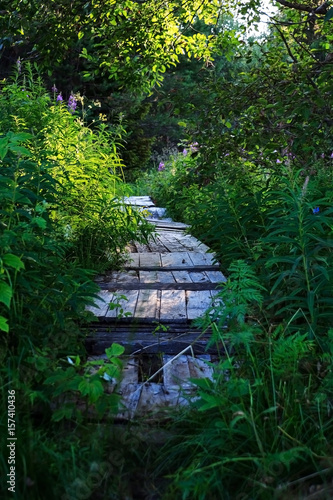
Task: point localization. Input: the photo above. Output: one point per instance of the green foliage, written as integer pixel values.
(130, 42)
(60, 198)
(263, 419)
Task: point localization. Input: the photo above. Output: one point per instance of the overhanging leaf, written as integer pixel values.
(6, 293)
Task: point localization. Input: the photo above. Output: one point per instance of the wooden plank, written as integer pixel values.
(165, 277)
(172, 246)
(152, 399)
(183, 267)
(148, 276)
(216, 302)
(173, 306)
(131, 394)
(154, 347)
(197, 303)
(191, 243)
(166, 224)
(154, 284)
(101, 304)
(216, 276)
(157, 212)
(125, 277)
(157, 246)
(133, 260)
(141, 248)
(176, 372)
(201, 259)
(199, 277)
(130, 373)
(128, 306)
(179, 259)
(139, 201)
(148, 304)
(182, 277)
(197, 245)
(199, 369)
(150, 259)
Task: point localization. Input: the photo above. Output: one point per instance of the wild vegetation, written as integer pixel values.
(233, 134)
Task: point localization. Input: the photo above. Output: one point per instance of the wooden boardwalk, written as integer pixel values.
(149, 307)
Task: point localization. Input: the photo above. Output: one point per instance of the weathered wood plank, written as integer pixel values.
(165, 277)
(179, 259)
(139, 201)
(183, 267)
(157, 246)
(142, 346)
(124, 277)
(176, 372)
(172, 246)
(197, 303)
(131, 394)
(201, 259)
(199, 369)
(148, 276)
(128, 306)
(173, 306)
(150, 259)
(216, 301)
(182, 277)
(133, 260)
(130, 373)
(148, 304)
(199, 277)
(166, 224)
(152, 399)
(157, 212)
(197, 245)
(141, 248)
(216, 276)
(190, 243)
(101, 304)
(164, 283)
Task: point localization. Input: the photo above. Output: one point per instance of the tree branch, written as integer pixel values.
(321, 10)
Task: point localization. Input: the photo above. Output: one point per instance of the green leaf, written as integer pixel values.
(4, 324)
(13, 261)
(114, 350)
(3, 147)
(93, 388)
(228, 124)
(63, 412)
(6, 293)
(39, 221)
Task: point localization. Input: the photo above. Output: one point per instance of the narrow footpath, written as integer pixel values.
(162, 288)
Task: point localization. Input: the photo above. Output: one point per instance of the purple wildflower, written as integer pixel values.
(331, 155)
(72, 104)
(54, 88)
(184, 152)
(59, 98)
(18, 65)
(278, 161)
(194, 147)
(315, 210)
(161, 167)
(322, 155)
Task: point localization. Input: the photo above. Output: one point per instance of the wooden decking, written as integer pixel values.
(149, 308)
